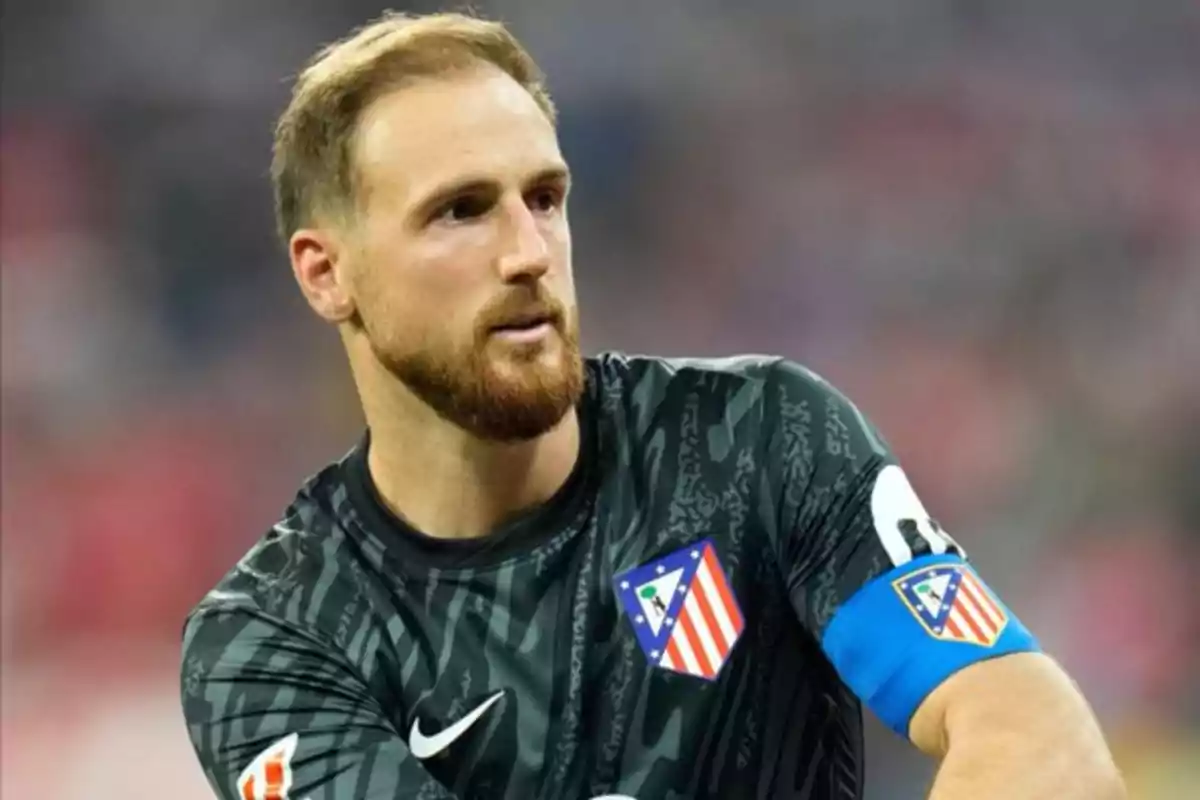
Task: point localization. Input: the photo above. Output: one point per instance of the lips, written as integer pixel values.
(525, 321)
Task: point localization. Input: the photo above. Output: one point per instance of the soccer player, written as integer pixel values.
(540, 575)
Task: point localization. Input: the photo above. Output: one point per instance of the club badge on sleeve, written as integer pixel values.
(952, 604)
(683, 610)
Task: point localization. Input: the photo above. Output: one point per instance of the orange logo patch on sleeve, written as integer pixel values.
(269, 775)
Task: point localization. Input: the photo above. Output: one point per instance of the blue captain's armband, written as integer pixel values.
(899, 636)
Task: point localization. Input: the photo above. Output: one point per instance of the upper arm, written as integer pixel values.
(883, 588)
(272, 713)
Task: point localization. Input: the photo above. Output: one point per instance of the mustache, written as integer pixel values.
(520, 309)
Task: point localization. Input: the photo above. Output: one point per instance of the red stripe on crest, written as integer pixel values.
(980, 636)
(710, 619)
(673, 652)
(988, 624)
(718, 577)
(689, 628)
(986, 606)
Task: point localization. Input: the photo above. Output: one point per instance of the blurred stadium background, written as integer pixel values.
(981, 219)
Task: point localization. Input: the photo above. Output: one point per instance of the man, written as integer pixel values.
(544, 576)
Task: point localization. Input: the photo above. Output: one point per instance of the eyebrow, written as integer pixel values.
(448, 191)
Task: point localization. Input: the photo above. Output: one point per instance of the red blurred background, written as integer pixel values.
(980, 220)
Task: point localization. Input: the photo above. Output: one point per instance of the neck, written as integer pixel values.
(447, 483)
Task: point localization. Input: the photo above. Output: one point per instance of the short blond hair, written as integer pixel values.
(312, 168)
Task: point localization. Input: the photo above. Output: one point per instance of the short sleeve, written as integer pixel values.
(870, 573)
(273, 713)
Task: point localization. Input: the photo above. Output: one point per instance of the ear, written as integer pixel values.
(319, 265)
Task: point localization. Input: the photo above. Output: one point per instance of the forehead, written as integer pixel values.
(480, 123)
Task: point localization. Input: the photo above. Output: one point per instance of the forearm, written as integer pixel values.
(1048, 746)
(1028, 766)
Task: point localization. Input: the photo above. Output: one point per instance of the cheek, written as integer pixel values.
(398, 325)
(410, 308)
(383, 302)
(380, 315)
(565, 282)
(559, 239)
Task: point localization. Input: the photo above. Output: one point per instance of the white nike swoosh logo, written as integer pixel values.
(423, 746)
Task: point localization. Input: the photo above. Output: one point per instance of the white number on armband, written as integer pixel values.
(895, 509)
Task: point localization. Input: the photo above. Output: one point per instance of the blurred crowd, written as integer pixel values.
(979, 219)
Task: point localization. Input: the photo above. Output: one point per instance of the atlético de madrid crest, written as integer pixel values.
(683, 610)
(952, 604)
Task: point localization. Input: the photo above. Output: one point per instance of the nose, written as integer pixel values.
(525, 253)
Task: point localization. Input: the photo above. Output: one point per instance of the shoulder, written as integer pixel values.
(649, 380)
(634, 368)
(645, 382)
(768, 402)
(293, 574)
(764, 404)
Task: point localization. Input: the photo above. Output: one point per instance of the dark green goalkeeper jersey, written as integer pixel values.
(660, 629)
